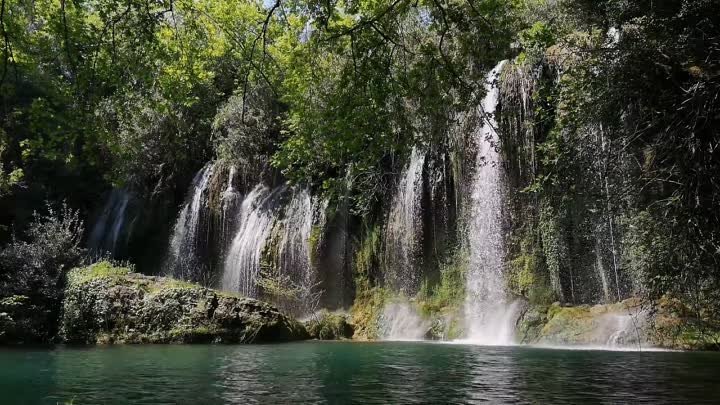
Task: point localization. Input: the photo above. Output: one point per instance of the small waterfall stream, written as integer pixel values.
(489, 315)
(182, 252)
(230, 199)
(403, 230)
(111, 230)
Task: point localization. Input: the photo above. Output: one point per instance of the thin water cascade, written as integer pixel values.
(403, 230)
(111, 225)
(600, 269)
(294, 251)
(400, 321)
(230, 199)
(489, 313)
(186, 233)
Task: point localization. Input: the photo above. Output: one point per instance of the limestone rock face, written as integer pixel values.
(105, 304)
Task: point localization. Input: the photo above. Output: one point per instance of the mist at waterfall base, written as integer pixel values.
(400, 321)
(367, 373)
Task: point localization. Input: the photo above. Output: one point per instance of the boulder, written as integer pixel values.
(106, 304)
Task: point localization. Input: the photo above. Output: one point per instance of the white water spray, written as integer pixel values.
(400, 321)
(294, 251)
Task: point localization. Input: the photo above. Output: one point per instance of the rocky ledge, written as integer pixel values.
(106, 304)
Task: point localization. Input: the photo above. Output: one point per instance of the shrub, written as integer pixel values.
(35, 266)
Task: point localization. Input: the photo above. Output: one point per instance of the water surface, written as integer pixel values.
(362, 373)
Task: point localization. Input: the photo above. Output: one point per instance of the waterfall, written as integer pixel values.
(402, 233)
(242, 264)
(489, 316)
(294, 250)
(274, 230)
(183, 250)
(111, 225)
(400, 321)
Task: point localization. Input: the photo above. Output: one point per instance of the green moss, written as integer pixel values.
(314, 240)
(110, 305)
(366, 311)
(169, 284)
(366, 259)
(676, 326)
(522, 274)
(98, 270)
(193, 334)
(330, 326)
(449, 294)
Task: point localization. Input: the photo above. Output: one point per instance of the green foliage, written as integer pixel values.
(34, 266)
(367, 259)
(7, 179)
(366, 310)
(369, 298)
(329, 326)
(449, 294)
(375, 79)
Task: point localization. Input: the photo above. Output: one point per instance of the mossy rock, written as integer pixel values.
(620, 323)
(104, 304)
(330, 326)
(366, 312)
(445, 327)
(676, 326)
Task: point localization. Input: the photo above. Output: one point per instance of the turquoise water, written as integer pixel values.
(363, 373)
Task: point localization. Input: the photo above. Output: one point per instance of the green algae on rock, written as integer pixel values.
(106, 304)
(330, 326)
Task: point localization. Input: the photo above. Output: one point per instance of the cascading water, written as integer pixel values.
(182, 253)
(274, 228)
(489, 314)
(294, 251)
(402, 233)
(111, 225)
(242, 264)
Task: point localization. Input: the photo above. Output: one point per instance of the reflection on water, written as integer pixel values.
(363, 373)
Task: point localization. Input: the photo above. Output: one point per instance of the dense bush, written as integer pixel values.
(34, 266)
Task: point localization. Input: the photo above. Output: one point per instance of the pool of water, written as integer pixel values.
(363, 373)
